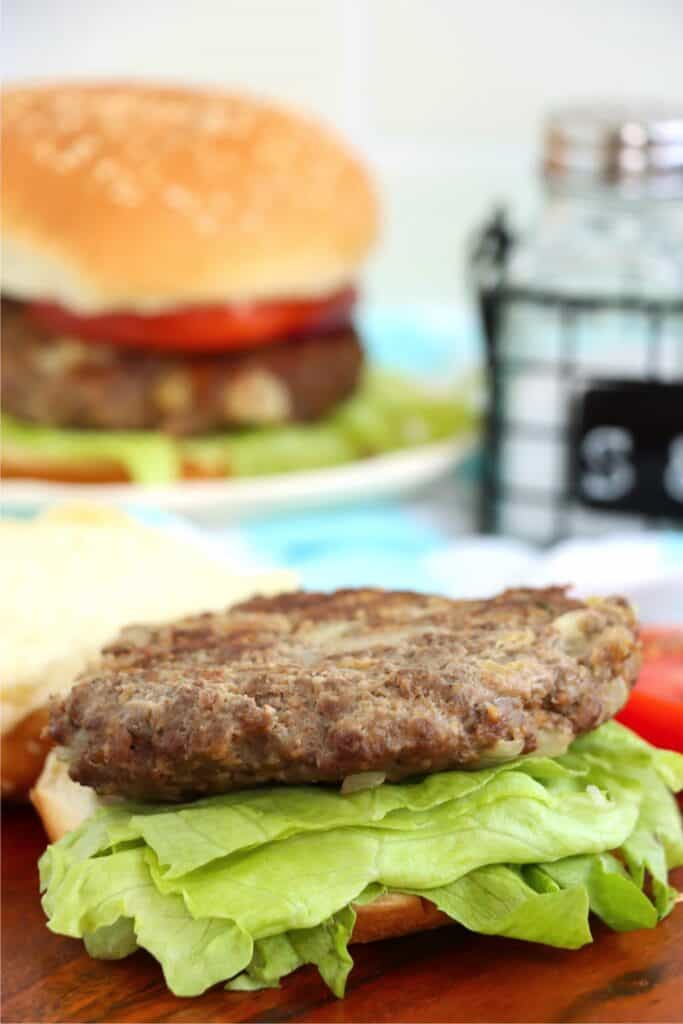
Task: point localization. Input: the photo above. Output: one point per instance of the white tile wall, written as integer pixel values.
(444, 96)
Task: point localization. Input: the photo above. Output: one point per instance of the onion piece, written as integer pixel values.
(597, 795)
(360, 781)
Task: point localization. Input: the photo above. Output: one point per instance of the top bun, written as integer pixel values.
(132, 196)
(73, 577)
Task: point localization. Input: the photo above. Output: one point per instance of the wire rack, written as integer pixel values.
(584, 423)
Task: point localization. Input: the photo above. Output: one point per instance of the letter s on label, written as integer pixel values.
(609, 473)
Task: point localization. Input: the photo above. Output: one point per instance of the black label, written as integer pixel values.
(628, 447)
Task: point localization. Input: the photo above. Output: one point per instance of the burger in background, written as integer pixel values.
(180, 274)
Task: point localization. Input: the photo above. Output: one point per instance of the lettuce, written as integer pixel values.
(247, 887)
(387, 413)
(325, 945)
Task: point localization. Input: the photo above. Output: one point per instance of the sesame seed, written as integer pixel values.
(124, 193)
(106, 169)
(179, 198)
(76, 154)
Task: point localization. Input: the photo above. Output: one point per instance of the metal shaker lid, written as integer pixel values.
(616, 144)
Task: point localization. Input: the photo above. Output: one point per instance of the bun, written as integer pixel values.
(23, 751)
(394, 915)
(90, 471)
(63, 805)
(132, 196)
(71, 581)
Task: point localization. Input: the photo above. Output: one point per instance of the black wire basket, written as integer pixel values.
(576, 442)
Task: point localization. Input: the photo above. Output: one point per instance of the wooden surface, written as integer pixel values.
(448, 975)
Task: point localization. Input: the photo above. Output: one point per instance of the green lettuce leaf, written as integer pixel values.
(498, 900)
(95, 894)
(612, 895)
(186, 838)
(325, 945)
(247, 887)
(112, 941)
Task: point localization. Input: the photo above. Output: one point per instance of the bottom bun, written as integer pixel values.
(396, 914)
(23, 752)
(63, 805)
(87, 472)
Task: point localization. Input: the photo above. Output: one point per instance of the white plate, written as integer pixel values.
(221, 500)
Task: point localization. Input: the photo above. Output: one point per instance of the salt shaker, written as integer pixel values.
(583, 317)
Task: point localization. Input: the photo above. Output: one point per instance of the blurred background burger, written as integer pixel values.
(180, 271)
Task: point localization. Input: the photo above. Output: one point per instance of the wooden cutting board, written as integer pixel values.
(448, 975)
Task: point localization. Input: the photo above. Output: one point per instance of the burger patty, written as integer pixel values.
(70, 383)
(313, 687)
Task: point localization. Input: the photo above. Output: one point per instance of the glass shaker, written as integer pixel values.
(583, 317)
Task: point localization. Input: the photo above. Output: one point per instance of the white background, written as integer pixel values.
(444, 96)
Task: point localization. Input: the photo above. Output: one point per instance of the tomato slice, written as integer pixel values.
(658, 721)
(661, 641)
(655, 707)
(200, 328)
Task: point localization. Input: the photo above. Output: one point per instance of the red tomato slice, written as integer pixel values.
(655, 707)
(661, 641)
(200, 328)
(658, 721)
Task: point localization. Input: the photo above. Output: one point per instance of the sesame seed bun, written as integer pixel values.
(132, 196)
(63, 805)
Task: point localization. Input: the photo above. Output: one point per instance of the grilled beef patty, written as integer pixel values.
(70, 383)
(312, 687)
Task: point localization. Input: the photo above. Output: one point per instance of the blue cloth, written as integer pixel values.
(350, 547)
(427, 340)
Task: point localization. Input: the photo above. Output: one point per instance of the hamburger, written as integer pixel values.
(309, 770)
(180, 275)
(71, 579)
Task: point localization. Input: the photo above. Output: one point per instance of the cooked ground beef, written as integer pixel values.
(67, 382)
(312, 687)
